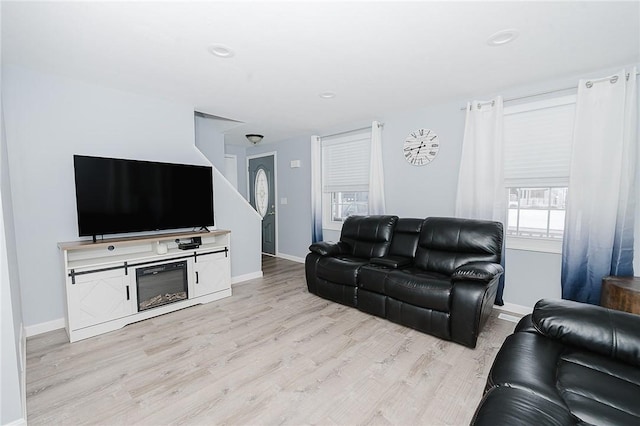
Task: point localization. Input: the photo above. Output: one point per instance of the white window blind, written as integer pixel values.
(538, 139)
(345, 162)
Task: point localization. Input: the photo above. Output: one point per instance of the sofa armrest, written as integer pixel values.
(477, 271)
(605, 331)
(394, 262)
(471, 305)
(328, 248)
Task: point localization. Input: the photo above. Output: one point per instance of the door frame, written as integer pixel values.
(275, 191)
(235, 160)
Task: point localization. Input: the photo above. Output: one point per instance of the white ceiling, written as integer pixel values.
(378, 57)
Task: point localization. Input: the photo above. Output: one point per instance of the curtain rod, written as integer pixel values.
(553, 91)
(350, 131)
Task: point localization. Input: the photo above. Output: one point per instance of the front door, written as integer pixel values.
(262, 196)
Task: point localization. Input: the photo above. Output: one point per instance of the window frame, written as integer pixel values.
(327, 218)
(537, 244)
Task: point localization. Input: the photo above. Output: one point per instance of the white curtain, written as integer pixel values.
(481, 192)
(376, 174)
(598, 236)
(316, 189)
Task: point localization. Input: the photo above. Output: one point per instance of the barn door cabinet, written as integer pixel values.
(102, 288)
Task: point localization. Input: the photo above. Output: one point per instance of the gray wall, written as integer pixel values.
(234, 213)
(13, 345)
(210, 141)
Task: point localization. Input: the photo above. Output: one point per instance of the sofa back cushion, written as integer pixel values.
(368, 236)
(405, 237)
(447, 243)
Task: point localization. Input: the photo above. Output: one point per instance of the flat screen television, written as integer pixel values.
(116, 195)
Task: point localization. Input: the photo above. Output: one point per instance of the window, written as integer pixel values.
(537, 212)
(345, 177)
(537, 156)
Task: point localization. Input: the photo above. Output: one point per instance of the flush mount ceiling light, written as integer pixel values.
(221, 51)
(327, 95)
(253, 138)
(502, 37)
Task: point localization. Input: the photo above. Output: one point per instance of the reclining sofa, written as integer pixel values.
(436, 275)
(567, 363)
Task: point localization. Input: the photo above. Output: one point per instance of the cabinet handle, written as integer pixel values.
(197, 280)
(127, 292)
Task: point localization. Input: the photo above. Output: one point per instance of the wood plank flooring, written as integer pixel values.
(271, 354)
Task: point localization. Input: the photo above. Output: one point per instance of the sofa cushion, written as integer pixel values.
(597, 389)
(340, 270)
(447, 243)
(368, 236)
(528, 361)
(405, 237)
(420, 288)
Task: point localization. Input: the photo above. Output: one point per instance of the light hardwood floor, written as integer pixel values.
(270, 354)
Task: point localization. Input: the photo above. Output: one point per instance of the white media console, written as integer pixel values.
(106, 281)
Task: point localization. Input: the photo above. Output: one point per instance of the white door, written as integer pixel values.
(231, 169)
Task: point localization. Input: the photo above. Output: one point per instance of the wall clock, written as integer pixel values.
(421, 147)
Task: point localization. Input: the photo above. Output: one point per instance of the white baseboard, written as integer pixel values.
(510, 318)
(23, 373)
(246, 277)
(44, 327)
(513, 308)
(19, 422)
(291, 258)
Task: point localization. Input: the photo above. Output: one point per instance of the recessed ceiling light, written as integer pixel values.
(502, 37)
(327, 95)
(221, 51)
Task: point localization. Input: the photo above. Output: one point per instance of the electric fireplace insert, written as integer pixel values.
(161, 284)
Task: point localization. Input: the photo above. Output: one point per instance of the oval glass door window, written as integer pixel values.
(261, 188)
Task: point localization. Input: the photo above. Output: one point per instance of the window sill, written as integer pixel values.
(534, 244)
(333, 226)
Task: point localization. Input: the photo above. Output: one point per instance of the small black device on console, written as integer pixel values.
(194, 243)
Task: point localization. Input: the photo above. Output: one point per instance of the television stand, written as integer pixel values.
(103, 278)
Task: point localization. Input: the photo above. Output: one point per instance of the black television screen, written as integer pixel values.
(117, 196)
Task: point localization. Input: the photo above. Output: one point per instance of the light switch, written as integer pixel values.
(283, 201)
(295, 164)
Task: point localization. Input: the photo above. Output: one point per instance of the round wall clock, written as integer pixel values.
(421, 147)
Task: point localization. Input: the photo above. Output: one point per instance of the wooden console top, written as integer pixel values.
(84, 244)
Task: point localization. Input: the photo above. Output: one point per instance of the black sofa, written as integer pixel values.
(437, 275)
(567, 363)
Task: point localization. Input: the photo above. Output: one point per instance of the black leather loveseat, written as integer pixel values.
(567, 363)
(437, 275)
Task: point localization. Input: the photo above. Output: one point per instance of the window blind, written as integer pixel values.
(538, 138)
(345, 162)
